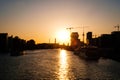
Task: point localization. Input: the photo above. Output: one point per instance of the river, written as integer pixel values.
(56, 64)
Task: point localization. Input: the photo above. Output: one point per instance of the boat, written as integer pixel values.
(88, 53)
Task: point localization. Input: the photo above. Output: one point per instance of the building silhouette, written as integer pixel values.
(115, 35)
(105, 40)
(3, 42)
(75, 42)
(89, 38)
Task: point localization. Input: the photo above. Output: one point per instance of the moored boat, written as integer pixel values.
(88, 53)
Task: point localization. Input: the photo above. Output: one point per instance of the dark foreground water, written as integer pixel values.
(56, 64)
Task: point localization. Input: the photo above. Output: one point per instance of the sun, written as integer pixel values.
(63, 36)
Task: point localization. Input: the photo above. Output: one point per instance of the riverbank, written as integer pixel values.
(96, 53)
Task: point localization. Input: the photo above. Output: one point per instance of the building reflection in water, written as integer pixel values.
(63, 69)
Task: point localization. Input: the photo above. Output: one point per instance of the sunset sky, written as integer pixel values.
(41, 20)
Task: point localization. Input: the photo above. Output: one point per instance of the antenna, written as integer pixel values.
(55, 40)
(83, 33)
(49, 40)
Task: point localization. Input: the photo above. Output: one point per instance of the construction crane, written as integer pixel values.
(70, 28)
(117, 27)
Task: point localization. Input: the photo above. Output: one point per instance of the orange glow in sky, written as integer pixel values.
(42, 20)
(63, 36)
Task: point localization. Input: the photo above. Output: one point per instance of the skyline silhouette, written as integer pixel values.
(106, 45)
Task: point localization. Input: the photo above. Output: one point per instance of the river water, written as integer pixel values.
(56, 64)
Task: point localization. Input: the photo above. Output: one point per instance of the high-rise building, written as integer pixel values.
(89, 38)
(75, 42)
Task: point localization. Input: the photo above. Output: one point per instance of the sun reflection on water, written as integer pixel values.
(63, 70)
